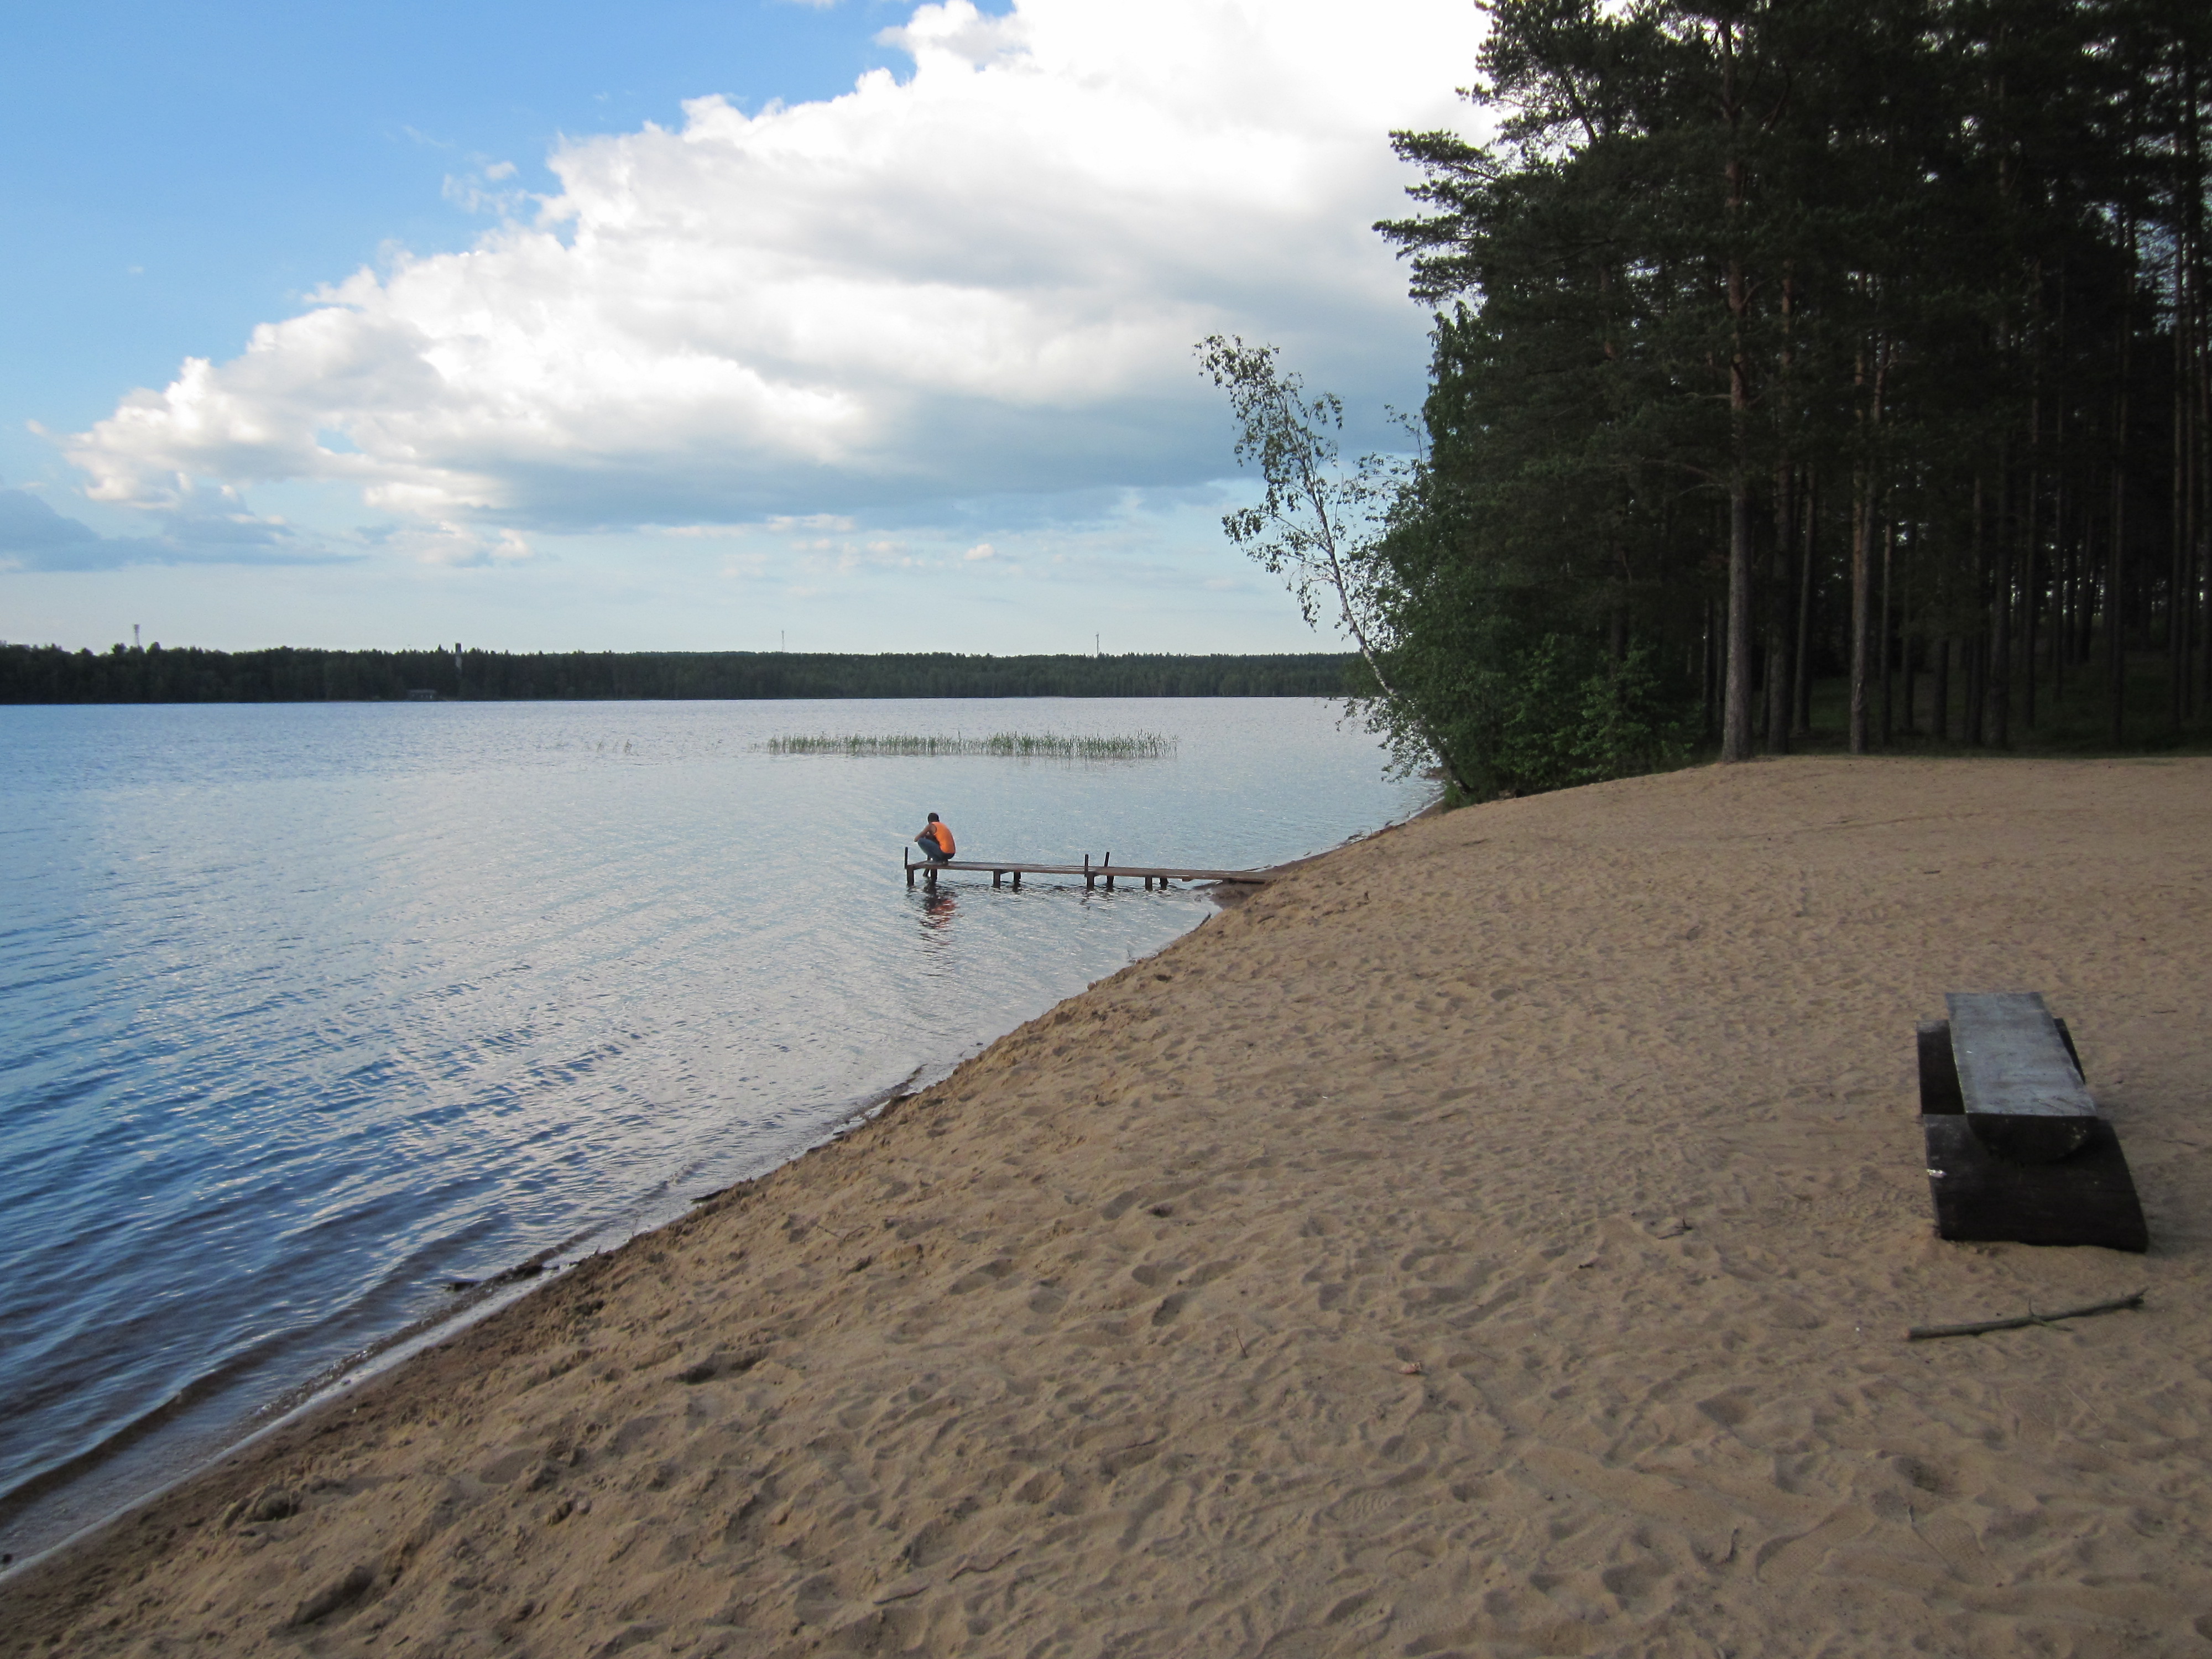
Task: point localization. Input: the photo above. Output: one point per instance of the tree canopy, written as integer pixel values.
(1782, 340)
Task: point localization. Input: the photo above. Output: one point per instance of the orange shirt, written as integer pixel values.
(941, 833)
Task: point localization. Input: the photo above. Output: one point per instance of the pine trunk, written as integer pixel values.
(1801, 654)
(1779, 607)
(1888, 713)
(1735, 715)
(2000, 719)
(1861, 608)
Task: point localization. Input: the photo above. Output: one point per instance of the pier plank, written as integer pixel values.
(1091, 874)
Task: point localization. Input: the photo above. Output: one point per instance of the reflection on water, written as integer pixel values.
(937, 909)
(309, 1009)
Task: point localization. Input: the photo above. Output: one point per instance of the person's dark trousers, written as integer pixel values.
(935, 853)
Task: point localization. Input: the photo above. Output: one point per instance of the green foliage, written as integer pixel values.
(1778, 338)
(1480, 654)
(1534, 712)
(1324, 530)
(1316, 522)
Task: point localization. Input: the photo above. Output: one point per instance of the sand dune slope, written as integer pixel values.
(1495, 1239)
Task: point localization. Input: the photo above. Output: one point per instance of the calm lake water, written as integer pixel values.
(306, 1011)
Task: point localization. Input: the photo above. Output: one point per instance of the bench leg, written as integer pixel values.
(1939, 1069)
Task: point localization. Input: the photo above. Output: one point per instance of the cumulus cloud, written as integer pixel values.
(445, 543)
(983, 279)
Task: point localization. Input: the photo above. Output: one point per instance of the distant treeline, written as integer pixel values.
(126, 674)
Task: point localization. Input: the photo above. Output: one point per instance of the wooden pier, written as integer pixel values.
(1105, 870)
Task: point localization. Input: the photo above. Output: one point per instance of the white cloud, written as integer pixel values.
(981, 551)
(443, 542)
(811, 521)
(983, 279)
(481, 191)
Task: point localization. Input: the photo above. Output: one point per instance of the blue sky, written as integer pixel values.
(680, 326)
(177, 173)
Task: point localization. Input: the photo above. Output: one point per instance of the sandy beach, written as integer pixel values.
(1495, 1238)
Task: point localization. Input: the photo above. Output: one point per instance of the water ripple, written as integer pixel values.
(310, 1010)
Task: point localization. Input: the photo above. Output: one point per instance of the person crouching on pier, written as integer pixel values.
(935, 840)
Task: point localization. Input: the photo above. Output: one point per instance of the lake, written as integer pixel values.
(311, 1010)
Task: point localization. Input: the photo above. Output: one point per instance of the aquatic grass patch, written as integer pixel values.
(1012, 746)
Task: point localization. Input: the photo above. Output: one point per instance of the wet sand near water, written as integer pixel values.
(1496, 1237)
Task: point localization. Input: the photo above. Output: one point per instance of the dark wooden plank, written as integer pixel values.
(1939, 1067)
(2087, 1199)
(2023, 1095)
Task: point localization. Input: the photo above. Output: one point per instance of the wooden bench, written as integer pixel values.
(2016, 1147)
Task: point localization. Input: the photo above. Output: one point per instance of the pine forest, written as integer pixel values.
(1803, 371)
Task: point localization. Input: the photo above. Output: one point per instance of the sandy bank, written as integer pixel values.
(1495, 1239)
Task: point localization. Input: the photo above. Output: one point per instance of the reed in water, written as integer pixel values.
(1022, 745)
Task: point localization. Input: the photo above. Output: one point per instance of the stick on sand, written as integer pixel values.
(1918, 1332)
